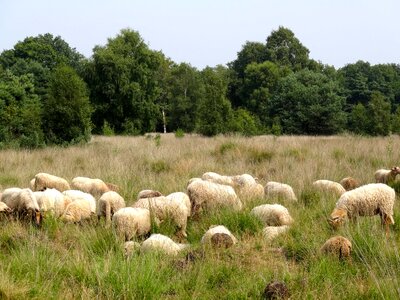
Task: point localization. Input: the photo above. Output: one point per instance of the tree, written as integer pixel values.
(307, 102)
(358, 119)
(214, 113)
(122, 77)
(378, 111)
(67, 110)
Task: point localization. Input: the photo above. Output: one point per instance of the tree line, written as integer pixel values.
(52, 95)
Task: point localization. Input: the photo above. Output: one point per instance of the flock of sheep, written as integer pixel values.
(86, 197)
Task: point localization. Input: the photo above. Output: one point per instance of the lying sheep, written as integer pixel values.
(109, 203)
(23, 203)
(162, 243)
(209, 195)
(349, 183)
(47, 181)
(164, 208)
(130, 222)
(217, 235)
(329, 187)
(93, 186)
(271, 232)
(77, 195)
(148, 194)
(77, 211)
(338, 246)
(386, 176)
(272, 214)
(367, 200)
(275, 189)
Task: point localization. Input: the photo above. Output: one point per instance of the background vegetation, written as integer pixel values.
(51, 94)
(86, 261)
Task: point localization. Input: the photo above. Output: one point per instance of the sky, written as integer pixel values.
(212, 32)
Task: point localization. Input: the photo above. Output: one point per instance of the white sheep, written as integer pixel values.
(272, 214)
(45, 181)
(77, 195)
(130, 247)
(93, 186)
(109, 203)
(161, 243)
(77, 211)
(218, 231)
(217, 178)
(23, 203)
(386, 176)
(329, 187)
(163, 208)
(130, 222)
(271, 232)
(367, 200)
(275, 189)
(209, 195)
(338, 246)
(4, 208)
(349, 183)
(183, 198)
(148, 194)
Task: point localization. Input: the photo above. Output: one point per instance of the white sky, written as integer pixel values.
(211, 32)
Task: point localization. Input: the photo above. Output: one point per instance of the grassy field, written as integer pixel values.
(67, 261)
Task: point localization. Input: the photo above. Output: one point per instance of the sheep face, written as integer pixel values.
(337, 218)
(37, 218)
(395, 170)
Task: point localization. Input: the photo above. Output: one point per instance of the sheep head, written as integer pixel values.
(395, 170)
(337, 217)
(37, 218)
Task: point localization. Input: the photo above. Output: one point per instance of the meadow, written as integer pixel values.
(71, 261)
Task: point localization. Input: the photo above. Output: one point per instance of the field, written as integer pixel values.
(68, 261)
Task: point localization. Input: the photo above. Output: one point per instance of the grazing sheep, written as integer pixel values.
(329, 187)
(77, 211)
(162, 243)
(130, 247)
(46, 181)
(279, 190)
(271, 232)
(386, 176)
(109, 203)
(148, 194)
(130, 222)
(23, 203)
(164, 208)
(181, 197)
(93, 186)
(349, 183)
(4, 208)
(60, 201)
(216, 178)
(338, 246)
(272, 214)
(367, 200)
(276, 290)
(208, 195)
(77, 195)
(220, 231)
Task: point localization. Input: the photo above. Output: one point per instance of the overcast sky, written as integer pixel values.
(211, 32)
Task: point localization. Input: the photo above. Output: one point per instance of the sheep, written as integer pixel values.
(367, 200)
(162, 243)
(280, 190)
(163, 208)
(77, 211)
(221, 179)
(23, 203)
(130, 222)
(76, 195)
(272, 214)
(271, 232)
(338, 246)
(329, 187)
(208, 195)
(349, 183)
(148, 194)
(223, 235)
(182, 197)
(109, 203)
(93, 186)
(59, 200)
(386, 176)
(4, 208)
(130, 247)
(44, 181)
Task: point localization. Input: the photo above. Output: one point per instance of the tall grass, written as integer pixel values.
(66, 261)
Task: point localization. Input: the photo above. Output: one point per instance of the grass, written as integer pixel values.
(61, 261)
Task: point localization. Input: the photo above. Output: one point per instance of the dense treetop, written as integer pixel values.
(51, 94)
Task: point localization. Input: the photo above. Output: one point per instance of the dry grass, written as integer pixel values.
(87, 262)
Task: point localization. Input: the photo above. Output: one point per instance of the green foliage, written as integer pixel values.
(179, 133)
(67, 110)
(107, 130)
(378, 111)
(358, 121)
(245, 123)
